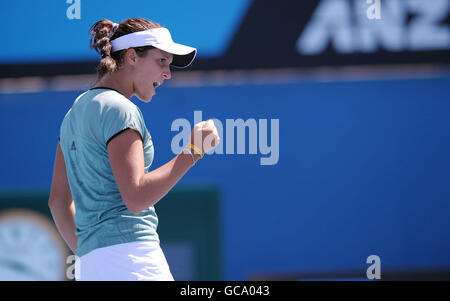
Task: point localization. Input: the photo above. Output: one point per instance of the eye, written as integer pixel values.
(162, 60)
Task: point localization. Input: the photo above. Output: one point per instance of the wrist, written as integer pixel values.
(196, 157)
(192, 156)
(195, 150)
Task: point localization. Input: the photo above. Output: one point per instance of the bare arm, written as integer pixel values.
(61, 202)
(139, 190)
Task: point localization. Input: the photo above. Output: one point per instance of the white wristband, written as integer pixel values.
(186, 150)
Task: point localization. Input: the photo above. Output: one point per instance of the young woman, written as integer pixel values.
(102, 193)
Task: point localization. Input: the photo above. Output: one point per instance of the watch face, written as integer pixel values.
(30, 247)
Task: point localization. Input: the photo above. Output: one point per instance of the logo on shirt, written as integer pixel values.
(73, 146)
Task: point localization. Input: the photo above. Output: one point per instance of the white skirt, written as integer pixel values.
(140, 260)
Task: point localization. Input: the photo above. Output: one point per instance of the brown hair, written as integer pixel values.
(100, 41)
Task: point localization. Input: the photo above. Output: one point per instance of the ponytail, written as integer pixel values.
(100, 42)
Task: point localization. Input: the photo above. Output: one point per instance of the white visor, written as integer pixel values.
(159, 38)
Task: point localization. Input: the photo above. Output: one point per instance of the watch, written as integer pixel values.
(31, 248)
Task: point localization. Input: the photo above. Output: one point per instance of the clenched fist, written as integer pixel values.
(205, 136)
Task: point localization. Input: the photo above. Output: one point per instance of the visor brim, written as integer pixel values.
(182, 55)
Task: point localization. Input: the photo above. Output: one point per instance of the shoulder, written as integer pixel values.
(111, 99)
(116, 113)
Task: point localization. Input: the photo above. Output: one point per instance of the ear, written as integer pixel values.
(131, 56)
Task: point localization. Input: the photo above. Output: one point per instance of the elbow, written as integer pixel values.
(136, 200)
(131, 197)
(132, 205)
(137, 205)
(134, 210)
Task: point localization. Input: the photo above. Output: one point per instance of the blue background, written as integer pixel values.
(39, 31)
(364, 169)
(364, 165)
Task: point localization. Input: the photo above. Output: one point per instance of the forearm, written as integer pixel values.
(155, 185)
(64, 217)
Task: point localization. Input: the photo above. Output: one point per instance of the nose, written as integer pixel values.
(166, 74)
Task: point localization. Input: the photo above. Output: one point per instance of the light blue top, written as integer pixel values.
(101, 218)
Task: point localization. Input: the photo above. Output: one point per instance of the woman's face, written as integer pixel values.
(150, 71)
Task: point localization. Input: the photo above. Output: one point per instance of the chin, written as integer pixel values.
(145, 98)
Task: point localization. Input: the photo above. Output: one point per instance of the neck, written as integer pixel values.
(117, 82)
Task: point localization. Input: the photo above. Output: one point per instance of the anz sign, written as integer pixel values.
(240, 34)
(400, 25)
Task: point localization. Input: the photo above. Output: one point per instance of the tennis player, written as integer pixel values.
(102, 196)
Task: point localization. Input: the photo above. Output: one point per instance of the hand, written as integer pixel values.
(205, 136)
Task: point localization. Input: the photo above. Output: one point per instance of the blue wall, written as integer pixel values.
(52, 36)
(364, 169)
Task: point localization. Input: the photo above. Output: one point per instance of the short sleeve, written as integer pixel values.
(116, 119)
